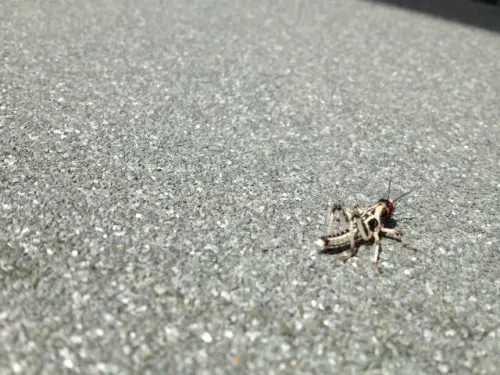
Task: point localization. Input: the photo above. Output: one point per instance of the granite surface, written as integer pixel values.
(166, 167)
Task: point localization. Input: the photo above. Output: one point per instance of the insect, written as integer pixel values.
(361, 226)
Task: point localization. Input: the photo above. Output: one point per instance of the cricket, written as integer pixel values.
(360, 226)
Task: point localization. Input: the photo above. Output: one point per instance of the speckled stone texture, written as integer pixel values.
(166, 167)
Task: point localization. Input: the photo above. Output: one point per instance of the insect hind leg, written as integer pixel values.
(337, 215)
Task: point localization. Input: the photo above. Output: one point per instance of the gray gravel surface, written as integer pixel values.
(166, 166)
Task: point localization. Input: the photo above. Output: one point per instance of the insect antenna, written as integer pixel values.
(403, 195)
(389, 189)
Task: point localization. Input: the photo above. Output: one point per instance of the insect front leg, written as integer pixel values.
(396, 234)
(376, 255)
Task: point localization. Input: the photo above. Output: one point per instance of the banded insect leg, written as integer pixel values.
(337, 215)
(364, 230)
(352, 234)
(376, 255)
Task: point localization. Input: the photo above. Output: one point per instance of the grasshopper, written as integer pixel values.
(361, 226)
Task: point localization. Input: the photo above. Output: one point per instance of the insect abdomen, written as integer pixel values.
(337, 241)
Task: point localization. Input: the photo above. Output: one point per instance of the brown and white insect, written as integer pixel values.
(361, 226)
